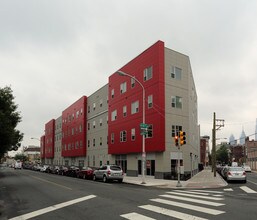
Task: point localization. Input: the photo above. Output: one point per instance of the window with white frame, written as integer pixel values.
(112, 93)
(94, 106)
(123, 136)
(93, 124)
(101, 102)
(112, 138)
(133, 134)
(123, 87)
(176, 102)
(135, 107)
(150, 101)
(101, 121)
(175, 130)
(114, 115)
(176, 72)
(148, 73)
(124, 111)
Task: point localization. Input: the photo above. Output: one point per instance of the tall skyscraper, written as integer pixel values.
(242, 137)
(232, 140)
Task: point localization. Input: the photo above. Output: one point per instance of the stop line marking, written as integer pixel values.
(52, 208)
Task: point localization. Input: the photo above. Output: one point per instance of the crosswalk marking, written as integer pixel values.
(196, 196)
(188, 206)
(171, 213)
(247, 189)
(228, 190)
(208, 191)
(195, 193)
(193, 200)
(136, 216)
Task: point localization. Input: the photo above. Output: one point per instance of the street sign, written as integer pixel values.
(142, 125)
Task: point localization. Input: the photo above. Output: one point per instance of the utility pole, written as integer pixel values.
(217, 124)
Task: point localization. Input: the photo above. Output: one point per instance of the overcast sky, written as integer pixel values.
(52, 52)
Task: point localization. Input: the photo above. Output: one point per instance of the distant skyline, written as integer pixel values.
(52, 52)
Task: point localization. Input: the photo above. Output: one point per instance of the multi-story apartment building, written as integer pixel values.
(49, 141)
(251, 153)
(105, 127)
(58, 141)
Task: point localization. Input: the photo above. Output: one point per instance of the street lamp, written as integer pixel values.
(143, 136)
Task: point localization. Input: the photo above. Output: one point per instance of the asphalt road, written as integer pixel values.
(26, 194)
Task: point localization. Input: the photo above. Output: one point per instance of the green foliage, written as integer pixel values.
(21, 157)
(222, 154)
(10, 137)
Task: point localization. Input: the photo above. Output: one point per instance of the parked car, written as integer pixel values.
(85, 173)
(62, 170)
(247, 168)
(109, 172)
(72, 171)
(235, 174)
(44, 168)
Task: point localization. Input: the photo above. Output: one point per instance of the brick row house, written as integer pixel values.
(104, 127)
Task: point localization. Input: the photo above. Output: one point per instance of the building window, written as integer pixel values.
(176, 72)
(123, 136)
(124, 111)
(133, 82)
(133, 134)
(150, 101)
(93, 124)
(88, 109)
(101, 141)
(93, 142)
(123, 87)
(101, 102)
(112, 138)
(112, 93)
(94, 106)
(176, 102)
(148, 73)
(175, 130)
(114, 115)
(88, 143)
(101, 121)
(135, 107)
(149, 131)
(88, 126)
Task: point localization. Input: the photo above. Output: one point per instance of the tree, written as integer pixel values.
(21, 157)
(10, 137)
(222, 154)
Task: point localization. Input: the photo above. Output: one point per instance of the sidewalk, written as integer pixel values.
(203, 179)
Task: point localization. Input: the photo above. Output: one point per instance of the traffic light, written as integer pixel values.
(176, 140)
(182, 137)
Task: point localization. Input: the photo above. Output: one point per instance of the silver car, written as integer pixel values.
(108, 173)
(235, 174)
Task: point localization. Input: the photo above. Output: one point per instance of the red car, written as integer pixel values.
(85, 173)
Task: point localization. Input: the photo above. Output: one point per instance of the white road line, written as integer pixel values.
(229, 189)
(247, 189)
(251, 182)
(188, 206)
(171, 213)
(196, 196)
(193, 200)
(136, 216)
(190, 192)
(208, 191)
(52, 208)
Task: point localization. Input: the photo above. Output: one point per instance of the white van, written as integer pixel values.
(18, 164)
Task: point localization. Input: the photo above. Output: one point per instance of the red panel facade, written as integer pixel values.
(49, 139)
(42, 146)
(74, 129)
(153, 58)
